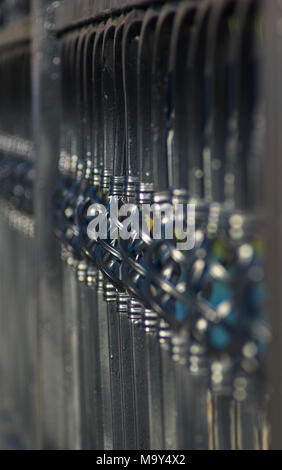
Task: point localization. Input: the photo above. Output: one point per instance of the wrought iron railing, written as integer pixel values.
(138, 344)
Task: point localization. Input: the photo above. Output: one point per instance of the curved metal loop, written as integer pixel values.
(251, 120)
(88, 97)
(144, 95)
(70, 187)
(119, 148)
(97, 125)
(107, 254)
(133, 249)
(197, 97)
(179, 83)
(160, 111)
(79, 112)
(108, 92)
(218, 79)
(130, 44)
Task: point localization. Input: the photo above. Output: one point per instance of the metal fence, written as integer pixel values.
(134, 344)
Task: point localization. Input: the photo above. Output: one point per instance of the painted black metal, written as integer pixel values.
(156, 102)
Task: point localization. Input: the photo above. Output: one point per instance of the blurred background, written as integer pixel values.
(114, 344)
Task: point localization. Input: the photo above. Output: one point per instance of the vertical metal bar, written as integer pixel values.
(110, 292)
(140, 374)
(97, 147)
(126, 358)
(96, 422)
(127, 372)
(149, 318)
(105, 365)
(155, 384)
(46, 111)
(115, 366)
(170, 411)
(160, 167)
(82, 313)
(70, 354)
(131, 37)
(95, 418)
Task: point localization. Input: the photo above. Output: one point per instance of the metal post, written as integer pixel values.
(45, 94)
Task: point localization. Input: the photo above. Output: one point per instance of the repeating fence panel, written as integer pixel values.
(111, 341)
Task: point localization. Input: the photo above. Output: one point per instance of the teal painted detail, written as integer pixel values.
(219, 337)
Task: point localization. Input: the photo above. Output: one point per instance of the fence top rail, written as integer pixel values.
(72, 14)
